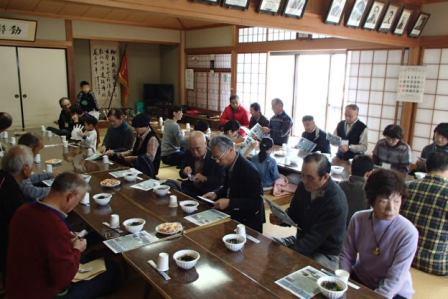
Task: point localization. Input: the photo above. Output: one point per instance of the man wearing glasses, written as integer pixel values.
(241, 194)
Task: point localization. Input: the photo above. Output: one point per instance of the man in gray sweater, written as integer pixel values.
(172, 139)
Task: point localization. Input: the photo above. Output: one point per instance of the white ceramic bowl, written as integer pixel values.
(186, 264)
(189, 206)
(131, 176)
(332, 294)
(231, 246)
(102, 199)
(419, 175)
(337, 169)
(161, 190)
(131, 225)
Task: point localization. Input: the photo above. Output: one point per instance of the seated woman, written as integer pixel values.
(173, 139)
(145, 155)
(29, 183)
(380, 243)
(265, 164)
(120, 136)
(440, 144)
(391, 151)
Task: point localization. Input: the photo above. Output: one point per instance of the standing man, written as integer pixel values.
(280, 124)
(257, 117)
(241, 194)
(353, 134)
(315, 135)
(203, 173)
(234, 111)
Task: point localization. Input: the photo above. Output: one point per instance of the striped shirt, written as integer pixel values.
(398, 156)
(427, 208)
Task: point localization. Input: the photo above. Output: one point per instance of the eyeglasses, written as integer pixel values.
(220, 157)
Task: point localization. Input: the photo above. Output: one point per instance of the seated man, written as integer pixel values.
(65, 122)
(11, 196)
(280, 124)
(257, 117)
(361, 168)
(353, 134)
(427, 209)
(241, 194)
(5, 121)
(145, 156)
(391, 151)
(319, 208)
(235, 112)
(316, 135)
(119, 136)
(172, 140)
(203, 173)
(49, 268)
(29, 182)
(440, 144)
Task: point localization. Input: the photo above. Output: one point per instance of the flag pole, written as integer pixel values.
(116, 77)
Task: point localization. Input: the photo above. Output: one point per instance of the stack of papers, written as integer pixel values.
(334, 140)
(93, 157)
(146, 185)
(306, 145)
(256, 132)
(90, 270)
(130, 242)
(207, 217)
(121, 173)
(302, 283)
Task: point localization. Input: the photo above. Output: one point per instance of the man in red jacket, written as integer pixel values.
(43, 254)
(235, 112)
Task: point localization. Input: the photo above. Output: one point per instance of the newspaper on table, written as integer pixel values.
(334, 139)
(130, 242)
(247, 145)
(121, 173)
(207, 217)
(93, 157)
(302, 283)
(49, 182)
(146, 185)
(306, 145)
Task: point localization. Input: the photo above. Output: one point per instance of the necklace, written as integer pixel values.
(377, 251)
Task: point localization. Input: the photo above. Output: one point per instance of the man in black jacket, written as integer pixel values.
(319, 208)
(315, 135)
(203, 173)
(241, 194)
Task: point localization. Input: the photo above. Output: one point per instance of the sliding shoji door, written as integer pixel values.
(434, 108)
(371, 83)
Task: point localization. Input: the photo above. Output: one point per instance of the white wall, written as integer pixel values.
(438, 22)
(210, 37)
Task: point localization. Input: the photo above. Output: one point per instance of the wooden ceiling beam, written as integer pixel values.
(311, 22)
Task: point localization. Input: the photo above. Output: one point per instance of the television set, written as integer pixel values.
(156, 94)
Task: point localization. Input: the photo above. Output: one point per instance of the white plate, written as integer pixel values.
(178, 230)
(53, 161)
(116, 184)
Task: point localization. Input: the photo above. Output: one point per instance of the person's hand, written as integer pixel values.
(188, 170)
(210, 195)
(222, 203)
(79, 244)
(200, 178)
(274, 220)
(78, 127)
(102, 149)
(266, 130)
(109, 152)
(344, 148)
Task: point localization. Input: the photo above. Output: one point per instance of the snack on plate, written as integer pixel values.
(53, 161)
(169, 228)
(110, 183)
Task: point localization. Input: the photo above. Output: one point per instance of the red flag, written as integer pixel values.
(124, 80)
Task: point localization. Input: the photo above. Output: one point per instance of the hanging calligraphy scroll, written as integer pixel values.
(16, 29)
(105, 62)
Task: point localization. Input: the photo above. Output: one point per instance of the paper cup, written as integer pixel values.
(114, 221)
(163, 261)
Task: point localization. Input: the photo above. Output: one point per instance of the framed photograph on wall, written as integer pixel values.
(295, 8)
(375, 12)
(419, 24)
(403, 22)
(335, 12)
(389, 18)
(270, 6)
(357, 14)
(214, 2)
(239, 4)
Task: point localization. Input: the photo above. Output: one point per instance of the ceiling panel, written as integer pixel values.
(49, 6)
(97, 12)
(73, 9)
(23, 4)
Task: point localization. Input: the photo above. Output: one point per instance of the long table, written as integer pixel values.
(219, 272)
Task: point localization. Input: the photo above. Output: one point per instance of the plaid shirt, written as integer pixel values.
(427, 208)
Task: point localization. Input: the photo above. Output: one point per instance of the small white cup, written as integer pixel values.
(37, 158)
(90, 152)
(65, 143)
(160, 121)
(188, 127)
(49, 168)
(183, 132)
(13, 140)
(43, 129)
(241, 230)
(173, 201)
(5, 135)
(50, 134)
(86, 199)
(163, 261)
(63, 138)
(162, 128)
(342, 275)
(114, 221)
(106, 159)
(2, 154)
